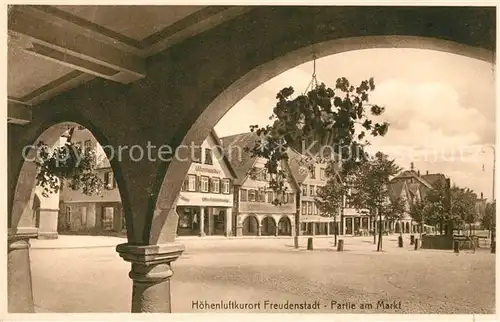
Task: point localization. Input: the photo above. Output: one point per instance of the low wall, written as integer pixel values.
(445, 242)
(437, 242)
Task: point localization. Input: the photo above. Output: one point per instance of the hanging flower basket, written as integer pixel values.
(67, 164)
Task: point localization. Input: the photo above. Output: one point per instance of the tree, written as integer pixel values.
(394, 210)
(463, 206)
(436, 210)
(329, 198)
(325, 119)
(370, 188)
(417, 213)
(67, 164)
(489, 217)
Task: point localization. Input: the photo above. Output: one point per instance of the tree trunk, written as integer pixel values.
(400, 229)
(379, 246)
(335, 230)
(374, 229)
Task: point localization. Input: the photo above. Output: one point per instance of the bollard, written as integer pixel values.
(310, 243)
(340, 245)
(296, 242)
(412, 239)
(400, 241)
(455, 246)
(416, 243)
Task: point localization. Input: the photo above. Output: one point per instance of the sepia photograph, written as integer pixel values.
(285, 159)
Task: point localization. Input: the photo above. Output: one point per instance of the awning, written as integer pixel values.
(316, 218)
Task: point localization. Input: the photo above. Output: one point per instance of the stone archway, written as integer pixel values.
(268, 226)
(284, 226)
(31, 215)
(250, 226)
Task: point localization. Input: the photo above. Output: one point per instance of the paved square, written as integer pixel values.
(259, 270)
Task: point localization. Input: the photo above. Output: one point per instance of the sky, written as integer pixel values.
(440, 106)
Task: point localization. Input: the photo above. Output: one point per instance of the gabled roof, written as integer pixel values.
(408, 174)
(218, 143)
(396, 188)
(434, 178)
(240, 160)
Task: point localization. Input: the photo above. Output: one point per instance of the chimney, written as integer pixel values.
(418, 173)
(427, 172)
(481, 196)
(411, 166)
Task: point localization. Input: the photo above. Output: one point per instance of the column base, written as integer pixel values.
(150, 274)
(19, 285)
(202, 234)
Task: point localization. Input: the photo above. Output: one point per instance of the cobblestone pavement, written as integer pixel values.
(259, 270)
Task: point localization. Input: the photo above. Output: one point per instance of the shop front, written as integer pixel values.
(204, 215)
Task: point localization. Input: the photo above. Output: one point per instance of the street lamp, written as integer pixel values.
(494, 161)
(492, 231)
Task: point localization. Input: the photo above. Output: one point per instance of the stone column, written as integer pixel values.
(328, 228)
(210, 221)
(19, 287)
(150, 273)
(48, 223)
(259, 229)
(239, 225)
(229, 222)
(352, 226)
(313, 228)
(202, 222)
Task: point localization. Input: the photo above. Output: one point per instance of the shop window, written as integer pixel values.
(208, 156)
(215, 185)
(225, 186)
(243, 195)
(204, 184)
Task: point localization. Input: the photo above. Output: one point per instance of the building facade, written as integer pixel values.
(254, 211)
(98, 213)
(205, 203)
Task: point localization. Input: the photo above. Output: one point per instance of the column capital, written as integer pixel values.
(150, 254)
